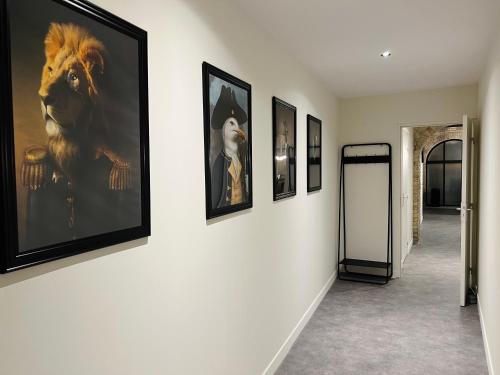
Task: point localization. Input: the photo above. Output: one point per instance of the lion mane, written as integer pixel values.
(71, 95)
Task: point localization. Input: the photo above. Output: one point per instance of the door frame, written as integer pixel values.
(398, 203)
(403, 251)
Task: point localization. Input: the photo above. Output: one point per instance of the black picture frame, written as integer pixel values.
(11, 258)
(290, 156)
(211, 211)
(314, 154)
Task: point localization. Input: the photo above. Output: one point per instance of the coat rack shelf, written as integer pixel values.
(349, 268)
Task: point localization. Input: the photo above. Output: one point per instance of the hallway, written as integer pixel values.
(414, 325)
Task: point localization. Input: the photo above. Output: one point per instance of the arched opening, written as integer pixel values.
(444, 174)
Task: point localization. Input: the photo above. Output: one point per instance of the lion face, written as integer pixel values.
(69, 86)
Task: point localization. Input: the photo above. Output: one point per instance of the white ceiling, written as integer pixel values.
(434, 43)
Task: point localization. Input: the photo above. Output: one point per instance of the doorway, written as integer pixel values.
(436, 169)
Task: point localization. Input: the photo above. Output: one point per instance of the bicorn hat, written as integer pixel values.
(227, 107)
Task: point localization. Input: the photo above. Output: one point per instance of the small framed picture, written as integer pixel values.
(284, 145)
(227, 107)
(313, 153)
(74, 134)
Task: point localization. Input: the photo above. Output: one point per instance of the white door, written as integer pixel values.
(404, 197)
(404, 226)
(409, 193)
(466, 208)
(406, 192)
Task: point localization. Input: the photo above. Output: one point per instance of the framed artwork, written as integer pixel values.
(227, 107)
(313, 153)
(74, 135)
(284, 143)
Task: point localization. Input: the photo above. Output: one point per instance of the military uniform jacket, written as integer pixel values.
(100, 201)
(222, 181)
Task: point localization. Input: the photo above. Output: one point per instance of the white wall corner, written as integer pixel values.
(489, 358)
(292, 337)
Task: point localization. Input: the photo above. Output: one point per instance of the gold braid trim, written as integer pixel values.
(34, 168)
(120, 177)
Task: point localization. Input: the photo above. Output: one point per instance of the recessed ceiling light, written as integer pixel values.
(386, 54)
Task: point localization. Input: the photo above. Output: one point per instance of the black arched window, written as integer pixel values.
(444, 174)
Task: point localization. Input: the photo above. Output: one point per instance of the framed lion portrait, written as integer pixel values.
(74, 135)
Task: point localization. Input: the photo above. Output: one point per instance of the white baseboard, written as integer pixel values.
(287, 345)
(489, 361)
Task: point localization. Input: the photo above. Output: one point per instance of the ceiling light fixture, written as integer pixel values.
(386, 54)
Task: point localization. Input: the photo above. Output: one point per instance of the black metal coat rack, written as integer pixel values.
(345, 264)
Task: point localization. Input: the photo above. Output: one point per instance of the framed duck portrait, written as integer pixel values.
(74, 135)
(284, 143)
(227, 106)
(313, 153)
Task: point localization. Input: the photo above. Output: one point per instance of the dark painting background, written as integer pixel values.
(29, 23)
(285, 118)
(314, 144)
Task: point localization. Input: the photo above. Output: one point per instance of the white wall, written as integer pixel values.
(489, 208)
(379, 119)
(196, 298)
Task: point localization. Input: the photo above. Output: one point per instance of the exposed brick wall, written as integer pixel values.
(424, 139)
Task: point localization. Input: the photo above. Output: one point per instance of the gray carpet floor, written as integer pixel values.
(413, 325)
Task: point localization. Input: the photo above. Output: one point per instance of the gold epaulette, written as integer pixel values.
(34, 167)
(120, 177)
